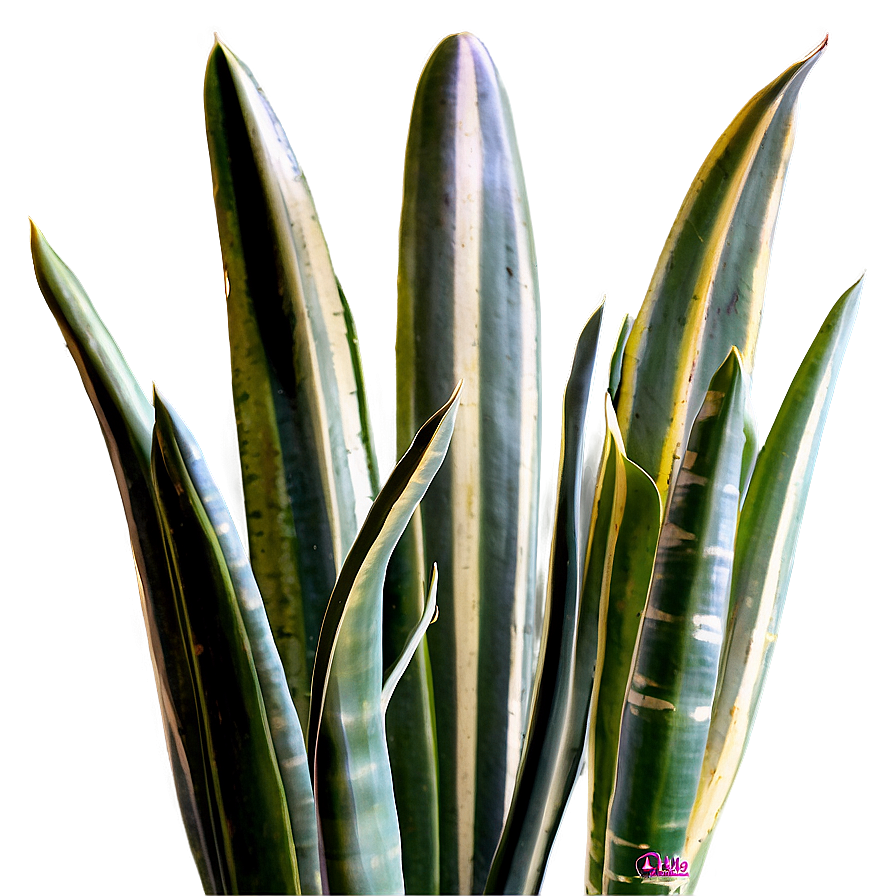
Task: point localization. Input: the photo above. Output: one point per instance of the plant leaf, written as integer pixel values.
(673, 675)
(233, 576)
(616, 361)
(620, 565)
(249, 806)
(707, 291)
(763, 560)
(125, 417)
(309, 475)
(468, 308)
(556, 734)
(347, 735)
(415, 639)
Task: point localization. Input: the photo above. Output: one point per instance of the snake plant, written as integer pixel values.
(378, 694)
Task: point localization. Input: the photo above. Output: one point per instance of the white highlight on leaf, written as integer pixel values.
(618, 841)
(326, 361)
(727, 736)
(464, 454)
(703, 621)
(640, 681)
(648, 702)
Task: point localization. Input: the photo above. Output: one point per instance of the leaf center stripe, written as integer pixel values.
(464, 456)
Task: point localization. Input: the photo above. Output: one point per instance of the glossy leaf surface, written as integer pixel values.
(668, 700)
(706, 294)
(347, 735)
(556, 733)
(468, 308)
(620, 565)
(763, 560)
(126, 418)
(249, 807)
(308, 470)
(232, 574)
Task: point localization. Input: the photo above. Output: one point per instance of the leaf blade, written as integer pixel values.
(556, 733)
(125, 417)
(673, 676)
(248, 799)
(707, 290)
(764, 554)
(305, 447)
(347, 736)
(287, 739)
(468, 308)
(621, 557)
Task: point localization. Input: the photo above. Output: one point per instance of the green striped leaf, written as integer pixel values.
(248, 804)
(763, 559)
(415, 639)
(616, 361)
(308, 469)
(673, 676)
(232, 574)
(410, 717)
(707, 291)
(556, 734)
(125, 417)
(347, 734)
(620, 565)
(468, 308)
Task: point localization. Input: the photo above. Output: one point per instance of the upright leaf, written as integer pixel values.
(308, 469)
(468, 308)
(668, 699)
(706, 294)
(763, 560)
(556, 733)
(623, 546)
(125, 417)
(228, 571)
(347, 733)
(248, 805)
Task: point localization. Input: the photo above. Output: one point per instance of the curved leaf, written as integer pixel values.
(125, 417)
(309, 474)
(233, 576)
(249, 806)
(763, 559)
(347, 735)
(415, 638)
(707, 291)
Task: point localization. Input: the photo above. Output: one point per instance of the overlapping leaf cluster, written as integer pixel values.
(323, 735)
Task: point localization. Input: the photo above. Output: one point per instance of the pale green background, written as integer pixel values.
(615, 107)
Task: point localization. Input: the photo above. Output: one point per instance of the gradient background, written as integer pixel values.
(615, 107)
